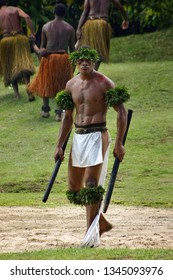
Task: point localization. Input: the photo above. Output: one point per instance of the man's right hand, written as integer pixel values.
(44, 53)
(59, 154)
(125, 24)
(78, 34)
(119, 151)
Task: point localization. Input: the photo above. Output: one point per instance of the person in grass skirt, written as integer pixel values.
(55, 69)
(94, 28)
(16, 63)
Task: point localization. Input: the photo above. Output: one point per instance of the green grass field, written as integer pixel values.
(145, 177)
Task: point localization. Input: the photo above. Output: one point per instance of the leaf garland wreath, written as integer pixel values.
(116, 96)
(86, 195)
(83, 53)
(64, 100)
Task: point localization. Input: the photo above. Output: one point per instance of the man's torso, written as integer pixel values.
(58, 35)
(9, 20)
(89, 99)
(99, 8)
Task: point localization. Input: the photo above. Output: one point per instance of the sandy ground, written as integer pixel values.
(30, 228)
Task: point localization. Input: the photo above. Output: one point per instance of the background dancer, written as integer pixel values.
(16, 63)
(94, 28)
(58, 38)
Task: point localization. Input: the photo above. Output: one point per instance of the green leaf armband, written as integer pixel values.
(118, 95)
(86, 195)
(64, 100)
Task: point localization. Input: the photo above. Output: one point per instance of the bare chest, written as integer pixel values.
(87, 93)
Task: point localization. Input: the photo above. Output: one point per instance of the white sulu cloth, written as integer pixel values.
(87, 149)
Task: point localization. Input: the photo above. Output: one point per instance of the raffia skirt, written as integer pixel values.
(15, 59)
(96, 33)
(54, 72)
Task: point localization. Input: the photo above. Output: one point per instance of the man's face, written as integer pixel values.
(85, 66)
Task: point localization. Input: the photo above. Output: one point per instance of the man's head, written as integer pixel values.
(3, 2)
(84, 58)
(60, 10)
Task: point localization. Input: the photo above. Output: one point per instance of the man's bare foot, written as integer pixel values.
(30, 97)
(17, 96)
(104, 225)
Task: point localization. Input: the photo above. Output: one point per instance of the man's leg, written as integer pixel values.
(92, 177)
(45, 108)
(75, 177)
(91, 181)
(58, 113)
(93, 209)
(91, 212)
(76, 182)
(16, 90)
(27, 80)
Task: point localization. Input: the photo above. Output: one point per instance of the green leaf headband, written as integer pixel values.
(84, 53)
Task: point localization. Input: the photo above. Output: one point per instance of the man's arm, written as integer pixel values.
(27, 19)
(119, 150)
(64, 131)
(72, 41)
(83, 18)
(125, 23)
(43, 51)
(43, 38)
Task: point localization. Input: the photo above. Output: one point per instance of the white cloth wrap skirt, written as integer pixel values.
(87, 149)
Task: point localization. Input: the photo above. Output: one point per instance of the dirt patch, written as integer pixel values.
(34, 228)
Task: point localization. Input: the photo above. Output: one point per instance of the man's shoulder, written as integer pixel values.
(9, 9)
(12, 8)
(73, 80)
(69, 26)
(100, 75)
(47, 24)
(103, 80)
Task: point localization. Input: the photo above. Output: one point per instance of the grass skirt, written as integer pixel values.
(15, 59)
(54, 72)
(96, 33)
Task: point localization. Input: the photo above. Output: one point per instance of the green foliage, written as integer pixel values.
(86, 195)
(144, 16)
(149, 14)
(117, 95)
(64, 100)
(83, 53)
